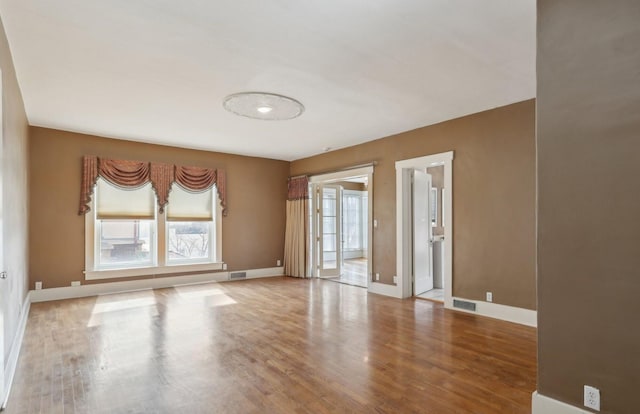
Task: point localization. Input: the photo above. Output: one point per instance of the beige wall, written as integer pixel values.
(589, 201)
(253, 231)
(14, 196)
(494, 198)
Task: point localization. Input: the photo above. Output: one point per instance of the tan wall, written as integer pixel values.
(253, 231)
(494, 198)
(14, 196)
(589, 201)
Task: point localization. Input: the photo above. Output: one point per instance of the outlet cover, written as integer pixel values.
(75, 283)
(377, 276)
(38, 285)
(592, 397)
(395, 280)
(278, 262)
(489, 297)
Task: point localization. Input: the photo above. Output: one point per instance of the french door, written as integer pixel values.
(328, 243)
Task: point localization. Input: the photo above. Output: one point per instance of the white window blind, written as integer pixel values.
(185, 205)
(118, 203)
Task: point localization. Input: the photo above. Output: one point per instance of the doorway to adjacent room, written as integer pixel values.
(424, 188)
(340, 223)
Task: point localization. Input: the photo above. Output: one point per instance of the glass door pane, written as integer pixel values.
(330, 254)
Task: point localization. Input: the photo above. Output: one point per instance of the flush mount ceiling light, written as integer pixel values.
(263, 105)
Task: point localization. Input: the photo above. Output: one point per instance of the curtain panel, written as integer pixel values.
(132, 174)
(296, 240)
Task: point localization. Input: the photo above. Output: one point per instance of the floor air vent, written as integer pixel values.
(463, 304)
(237, 275)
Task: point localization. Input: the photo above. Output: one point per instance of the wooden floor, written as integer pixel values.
(354, 272)
(277, 345)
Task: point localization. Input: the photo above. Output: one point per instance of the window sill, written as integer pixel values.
(150, 270)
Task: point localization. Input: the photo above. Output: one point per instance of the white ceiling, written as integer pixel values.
(157, 70)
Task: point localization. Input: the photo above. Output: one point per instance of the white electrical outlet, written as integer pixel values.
(75, 283)
(377, 276)
(38, 285)
(489, 297)
(375, 223)
(592, 397)
(395, 280)
(278, 262)
(224, 266)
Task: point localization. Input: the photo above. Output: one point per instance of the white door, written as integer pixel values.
(3, 283)
(329, 224)
(422, 233)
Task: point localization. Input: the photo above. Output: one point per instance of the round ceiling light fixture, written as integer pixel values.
(263, 105)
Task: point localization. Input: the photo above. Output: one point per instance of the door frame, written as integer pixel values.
(338, 176)
(4, 382)
(404, 222)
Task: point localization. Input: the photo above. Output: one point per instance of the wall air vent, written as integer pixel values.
(237, 275)
(463, 304)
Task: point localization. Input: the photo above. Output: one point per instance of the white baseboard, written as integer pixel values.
(384, 289)
(503, 312)
(545, 405)
(69, 292)
(14, 352)
(266, 272)
(492, 310)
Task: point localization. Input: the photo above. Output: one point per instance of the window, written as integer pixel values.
(126, 236)
(354, 219)
(125, 226)
(189, 226)
(125, 243)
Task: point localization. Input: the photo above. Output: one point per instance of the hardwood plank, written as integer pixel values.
(277, 345)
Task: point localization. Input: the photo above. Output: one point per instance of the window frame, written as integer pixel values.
(160, 263)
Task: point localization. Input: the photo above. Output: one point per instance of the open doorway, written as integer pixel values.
(424, 187)
(428, 233)
(340, 222)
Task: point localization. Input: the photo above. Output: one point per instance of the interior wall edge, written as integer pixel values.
(14, 351)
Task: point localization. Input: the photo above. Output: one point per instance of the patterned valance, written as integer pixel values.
(298, 188)
(134, 174)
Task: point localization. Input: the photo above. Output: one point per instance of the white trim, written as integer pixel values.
(503, 312)
(403, 222)
(403, 231)
(384, 289)
(69, 292)
(152, 270)
(541, 404)
(16, 345)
